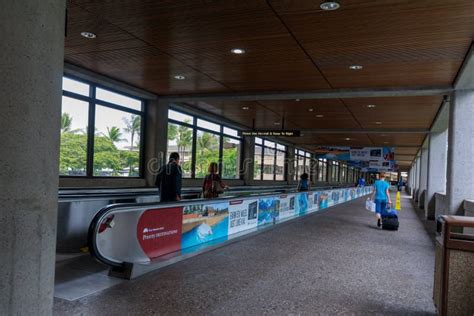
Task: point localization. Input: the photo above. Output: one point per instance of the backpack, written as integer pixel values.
(212, 186)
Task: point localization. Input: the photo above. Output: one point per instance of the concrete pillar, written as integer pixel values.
(248, 160)
(460, 182)
(31, 64)
(416, 185)
(423, 177)
(290, 165)
(157, 138)
(437, 160)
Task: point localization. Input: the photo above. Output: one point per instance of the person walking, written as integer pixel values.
(381, 197)
(213, 185)
(169, 179)
(304, 184)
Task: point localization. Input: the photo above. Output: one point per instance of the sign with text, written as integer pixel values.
(271, 133)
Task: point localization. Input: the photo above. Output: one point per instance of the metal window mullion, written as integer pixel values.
(91, 133)
(193, 150)
(221, 153)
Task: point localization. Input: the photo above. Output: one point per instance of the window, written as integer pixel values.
(302, 163)
(269, 160)
(200, 142)
(180, 140)
(322, 170)
(101, 132)
(334, 171)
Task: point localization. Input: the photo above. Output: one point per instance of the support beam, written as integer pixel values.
(313, 94)
(366, 131)
(465, 78)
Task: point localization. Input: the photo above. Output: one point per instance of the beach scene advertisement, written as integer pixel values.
(242, 215)
(204, 222)
(268, 210)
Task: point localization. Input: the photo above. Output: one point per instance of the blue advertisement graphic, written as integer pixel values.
(268, 210)
(302, 203)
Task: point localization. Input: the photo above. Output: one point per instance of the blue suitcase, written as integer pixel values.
(390, 219)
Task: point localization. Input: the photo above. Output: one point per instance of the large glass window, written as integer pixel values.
(213, 143)
(322, 170)
(271, 164)
(180, 140)
(101, 132)
(302, 163)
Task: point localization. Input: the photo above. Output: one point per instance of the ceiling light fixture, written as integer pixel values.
(88, 35)
(330, 5)
(237, 51)
(371, 106)
(347, 138)
(297, 100)
(276, 123)
(378, 123)
(319, 115)
(355, 67)
(245, 108)
(310, 110)
(179, 77)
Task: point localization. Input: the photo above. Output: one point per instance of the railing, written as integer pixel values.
(126, 236)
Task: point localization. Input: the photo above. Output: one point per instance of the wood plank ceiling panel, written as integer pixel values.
(201, 34)
(395, 112)
(399, 43)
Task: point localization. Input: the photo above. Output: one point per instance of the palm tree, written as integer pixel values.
(66, 122)
(184, 139)
(133, 126)
(114, 134)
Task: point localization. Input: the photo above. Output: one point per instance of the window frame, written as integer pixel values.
(194, 127)
(92, 102)
(276, 150)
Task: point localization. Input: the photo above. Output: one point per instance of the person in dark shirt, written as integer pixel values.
(168, 180)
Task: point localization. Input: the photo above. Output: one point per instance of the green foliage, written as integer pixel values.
(73, 154)
(114, 134)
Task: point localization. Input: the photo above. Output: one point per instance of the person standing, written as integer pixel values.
(212, 185)
(381, 197)
(361, 182)
(169, 179)
(304, 184)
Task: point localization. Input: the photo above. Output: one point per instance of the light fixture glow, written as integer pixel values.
(179, 77)
(355, 67)
(237, 51)
(310, 110)
(276, 123)
(371, 106)
(378, 123)
(297, 100)
(245, 108)
(319, 115)
(88, 35)
(330, 5)
(347, 138)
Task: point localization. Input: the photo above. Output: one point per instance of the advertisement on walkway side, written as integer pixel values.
(268, 210)
(242, 215)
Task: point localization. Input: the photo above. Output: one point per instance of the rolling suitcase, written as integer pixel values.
(390, 219)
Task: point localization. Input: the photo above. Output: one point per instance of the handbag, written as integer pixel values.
(370, 205)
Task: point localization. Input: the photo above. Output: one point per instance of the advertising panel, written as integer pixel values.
(204, 222)
(287, 206)
(302, 203)
(268, 210)
(314, 197)
(242, 215)
(159, 231)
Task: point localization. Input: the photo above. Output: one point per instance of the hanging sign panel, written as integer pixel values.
(271, 133)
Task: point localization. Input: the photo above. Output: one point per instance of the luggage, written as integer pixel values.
(390, 219)
(370, 205)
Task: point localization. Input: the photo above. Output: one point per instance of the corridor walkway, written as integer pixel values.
(328, 263)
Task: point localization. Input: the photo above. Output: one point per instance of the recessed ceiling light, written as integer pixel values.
(371, 106)
(237, 51)
(319, 115)
(297, 100)
(310, 110)
(355, 67)
(330, 5)
(276, 123)
(378, 123)
(347, 138)
(88, 35)
(245, 108)
(179, 77)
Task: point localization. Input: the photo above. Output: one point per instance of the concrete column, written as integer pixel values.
(31, 64)
(290, 165)
(423, 177)
(460, 182)
(416, 180)
(157, 138)
(437, 160)
(248, 160)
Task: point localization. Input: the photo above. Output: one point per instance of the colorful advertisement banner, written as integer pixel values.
(242, 215)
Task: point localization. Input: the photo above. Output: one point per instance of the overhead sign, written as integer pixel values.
(271, 133)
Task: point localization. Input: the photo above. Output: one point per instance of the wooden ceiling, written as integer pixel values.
(290, 45)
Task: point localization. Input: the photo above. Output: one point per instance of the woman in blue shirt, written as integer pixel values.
(381, 197)
(304, 184)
